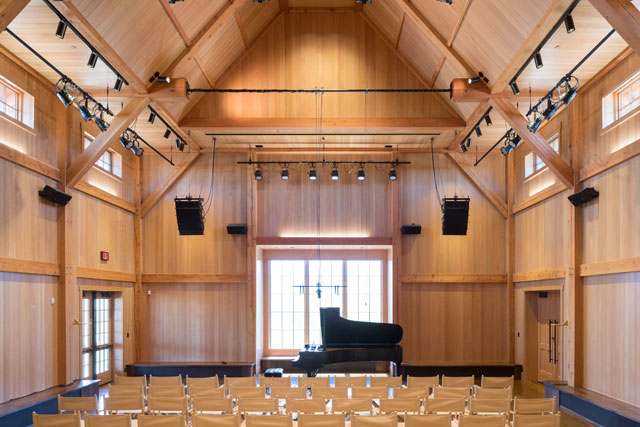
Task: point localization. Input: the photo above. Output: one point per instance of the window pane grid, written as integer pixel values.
(287, 316)
(86, 323)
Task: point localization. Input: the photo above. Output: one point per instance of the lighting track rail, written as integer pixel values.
(131, 141)
(322, 162)
(487, 118)
(180, 143)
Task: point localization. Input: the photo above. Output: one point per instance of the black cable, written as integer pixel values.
(435, 181)
(213, 90)
(209, 200)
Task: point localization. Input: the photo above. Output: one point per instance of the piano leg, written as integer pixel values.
(313, 373)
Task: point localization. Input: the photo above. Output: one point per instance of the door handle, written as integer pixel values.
(550, 358)
(555, 342)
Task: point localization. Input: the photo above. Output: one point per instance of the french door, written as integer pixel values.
(97, 336)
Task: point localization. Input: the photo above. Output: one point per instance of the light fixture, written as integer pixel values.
(181, 146)
(334, 173)
(551, 109)
(93, 60)
(127, 139)
(164, 79)
(257, 174)
(137, 150)
(86, 114)
(535, 123)
(284, 173)
(478, 131)
(487, 120)
(569, 25)
(152, 117)
(506, 149)
(61, 29)
(361, 173)
(167, 134)
(118, 84)
(515, 140)
(570, 92)
(363, 1)
(101, 122)
(468, 142)
(514, 88)
(473, 80)
(313, 175)
(63, 93)
(537, 59)
(393, 175)
(463, 147)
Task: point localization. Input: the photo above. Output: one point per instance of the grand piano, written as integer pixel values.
(346, 340)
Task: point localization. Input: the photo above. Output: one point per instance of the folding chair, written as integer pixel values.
(252, 392)
(260, 405)
(350, 406)
(490, 406)
(321, 420)
(350, 381)
(411, 392)
(389, 382)
(65, 420)
(551, 420)
(288, 392)
(131, 390)
(165, 381)
(269, 421)
(79, 405)
(400, 405)
(121, 380)
(107, 420)
(166, 391)
(310, 382)
(212, 405)
(534, 406)
(379, 392)
(228, 420)
(427, 420)
(496, 382)
(442, 405)
(451, 392)
(430, 382)
(374, 421)
(458, 381)
(161, 421)
(275, 382)
(493, 393)
(168, 405)
(239, 382)
(481, 420)
(306, 406)
(128, 405)
(206, 392)
(329, 392)
(208, 382)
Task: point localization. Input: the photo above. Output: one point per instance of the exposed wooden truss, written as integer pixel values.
(623, 17)
(9, 9)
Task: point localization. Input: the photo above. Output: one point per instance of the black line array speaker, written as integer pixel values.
(455, 216)
(190, 216)
(54, 195)
(237, 229)
(411, 229)
(583, 196)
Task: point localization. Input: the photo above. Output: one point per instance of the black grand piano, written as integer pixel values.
(346, 340)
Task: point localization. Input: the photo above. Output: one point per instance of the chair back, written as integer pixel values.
(534, 406)
(329, 392)
(489, 406)
(309, 382)
(77, 404)
(252, 392)
(389, 382)
(239, 382)
(350, 381)
(452, 406)
(378, 392)
(481, 420)
(159, 405)
(209, 382)
(306, 406)
(65, 420)
(552, 420)
(165, 381)
(348, 406)
(320, 420)
(432, 420)
(166, 390)
(122, 380)
(107, 420)
(493, 393)
(388, 406)
(131, 390)
(275, 382)
(411, 392)
(458, 381)
(496, 382)
(430, 382)
(206, 392)
(161, 421)
(261, 405)
(212, 404)
(226, 420)
(288, 392)
(124, 404)
(268, 421)
(374, 421)
(451, 392)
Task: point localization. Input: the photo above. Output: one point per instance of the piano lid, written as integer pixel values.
(340, 332)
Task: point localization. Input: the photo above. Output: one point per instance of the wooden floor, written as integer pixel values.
(531, 390)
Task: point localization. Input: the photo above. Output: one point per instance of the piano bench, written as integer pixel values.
(274, 372)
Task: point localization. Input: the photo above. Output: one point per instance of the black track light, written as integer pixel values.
(152, 117)
(93, 60)
(334, 173)
(363, 1)
(284, 174)
(506, 150)
(551, 109)
(478, 132)
(535, 123)
(137, 150)
(167, 134)
(84, 111)
(537, 59)
(127, 139)
(164, 79)
(570, 92)
(101, 122)
(361, 176)
(118, 85)
(569, 25)
(468, 142)
(473, 80)
(515, 88)
(177, 142)
(61, 29)
(463, 147)
(62, 93)
(515, 141)
(487, 120)
(257, 174)
(182, 145)
(313, 175)
(393, 174)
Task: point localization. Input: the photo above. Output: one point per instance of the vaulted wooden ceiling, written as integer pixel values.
(234, 44)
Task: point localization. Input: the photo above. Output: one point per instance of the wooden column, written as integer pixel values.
(252, 222)
(511, 257)
(138, 297)
(396, 245)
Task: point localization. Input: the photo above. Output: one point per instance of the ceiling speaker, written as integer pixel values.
(583, 196)
(190, 216)
(455, 216)
(411, 229)
(237, 229)
(54, 195)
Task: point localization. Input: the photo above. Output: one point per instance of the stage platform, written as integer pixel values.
(193, 369)
(460, 369)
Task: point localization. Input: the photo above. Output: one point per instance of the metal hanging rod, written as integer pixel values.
(325, 134)
(208, 90)
(153, 148)
(323, 162)
(493, 147)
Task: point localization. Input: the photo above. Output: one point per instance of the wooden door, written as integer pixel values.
(549, 336)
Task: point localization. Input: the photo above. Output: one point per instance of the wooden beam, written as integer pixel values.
(252, 284)
(456, 28)
(100, 194)
(97, 274)
(619, 156)
(138, 299)
(560, 168)
(463, 91)
(119, 124)
(604, 71)
(13, 265)
(493, 197)
(628, 265)
(453, 278)
(333, 241)
(194, 278)
(276, 124)
(544, 26)
(437, 72)
(438, 42)
(243, 33)
(284, 5)
(535, 276)
(397, 39)
(477, 114)
(175, 21)
(89, 32)
(510, 255)
(9, 9)
(19, 158)
(166, 115)
(540, 196)
(174, 91)
(175, 174)
(623, 16)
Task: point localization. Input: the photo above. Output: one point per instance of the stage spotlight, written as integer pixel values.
(473, 80)
(137, 150)
(361, 173)
(101, 122)
(313, 176)
(61, 30)
(537, 58)
(152, 117)
(506, 150)
(63, 94)
(257, 174)
(164, 79)
(167, 134)
(84, 111)
(570, 92)
(535, 123)
(515, 88)
(118, 84)
(181, 147)
(93, 60)
(487, 120)
(515, 141)
(551, 109)
(334, 173)
(284, 174)
(468, 142)
(127, 139)
(569, 25)
(393, 175)
(478, 132)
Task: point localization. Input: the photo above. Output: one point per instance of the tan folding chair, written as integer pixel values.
(206, 392)
(496, 382)
(208, 382)
(493, 393)
(212, 405)
(306, 406)
(165, 381)
(351, 406)
(166, 391)
(77, 404)
(374, 421)
(481, 420)
(400, 405)
(458, 381)
(389, 382)
(120, 380)
(128, 405)
(321, 420)
(441, 405)
(534, 406)
(269, 421)
(168, 405)
(430, 382)
(275, 382)
(431, 420)
(65, 420)
(230, 382)
(132, 390)
(490, 406)
(161, 421)
(309, 382)
(250, 392)
(411, 392)
(288, 392)
(107, 421)
(259, 405)
(350, 381)
(227, 420)
(451, 392)
(551, 420)
(379, 392)
(329, 392)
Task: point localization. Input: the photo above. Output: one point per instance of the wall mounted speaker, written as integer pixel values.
(583, 196)
(190, 216)
(54, 195)
(237, 229)
(411, 229)
(455, 216)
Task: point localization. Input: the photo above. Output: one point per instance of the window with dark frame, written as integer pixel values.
(97, 335)
(10, 100)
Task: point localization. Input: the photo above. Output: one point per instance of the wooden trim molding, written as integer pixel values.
(14, 265)
(534, 276)
(194, 278)
(14, 156)
(332, 241)
(96, 192)
(115, 276)
(539, 197)
(628, 265)
(453, 278)
(619, 156)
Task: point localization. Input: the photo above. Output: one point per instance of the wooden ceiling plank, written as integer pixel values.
(456, 28)
(174, 124)
(437, 40)
(560, 168)
(175, 174)
(495, 199)
(477, 114)
(623, 17)
(9, 9)
(555, 12)
(119, 124)
(91, 34)
(437, 72)
(176, 22)
(204, 71)
(243, 33)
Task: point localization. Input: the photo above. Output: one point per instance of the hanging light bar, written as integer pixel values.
(476, 128)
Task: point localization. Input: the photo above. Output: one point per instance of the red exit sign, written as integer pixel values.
(104, 256)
